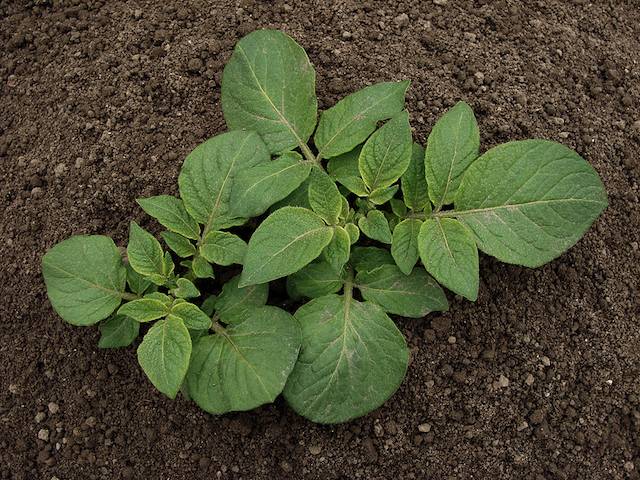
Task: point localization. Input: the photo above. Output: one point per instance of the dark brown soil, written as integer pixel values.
(540, 379)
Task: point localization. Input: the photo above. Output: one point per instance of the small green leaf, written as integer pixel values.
(324, 197)
(344, 170)
(185, 289)
(345, 209)
(268, 86)
(167, 265)
(365, 259)
(339, 249)
(413, 181)
(201, 268)
(449, 253)
(383, 195)
(209, 304)
(352, 359)
(118, 331)
(137, 283)
(164, 355)
(413, 295)
(247, 365)
(398, 207)
(375, 226)
(161, 297)
(209, 171)
(387, 153)
(404, 244)
(350, 121)
(192, 316)
(527, 202)
(178, 244)
(257, 188)
(353, 231)
(286, 241)
(452, 145)
(85, 278)
(315, 280)
(144, 309)
(234, 303)
(298, 198)
(223, 248)
(144, 252)
(170, 212)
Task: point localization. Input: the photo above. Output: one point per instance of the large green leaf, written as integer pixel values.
(164, 354)
(413, 295)
(451, 147)
(256, 189)
(208, 174)
(387, 153)
(170, 212)
(344, 170)
(234, 303)
(223, 248)
(375, 226)
(413, 181)
(145, 253)
(350, 121)
(118, 331)
(449, 253)
(324, 197)
(246, 365)
(404, 244)
(315, 280)
(527, 202)
(85, 278)
(352, 359)
(285, 241)
(268, 86)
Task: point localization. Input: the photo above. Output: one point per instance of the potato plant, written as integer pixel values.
(361, 221)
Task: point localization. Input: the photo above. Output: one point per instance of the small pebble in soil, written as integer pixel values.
(503, 381)
(636, 126)
(451, 339)
(424, 427)
(529, 380)
(402, 20)
(43, 434)
(347, 35)
(315, 449)
(40, 416)
(53, 408)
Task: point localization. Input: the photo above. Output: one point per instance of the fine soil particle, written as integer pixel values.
(540, 379)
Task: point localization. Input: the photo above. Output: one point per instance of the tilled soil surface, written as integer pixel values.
(540, 379)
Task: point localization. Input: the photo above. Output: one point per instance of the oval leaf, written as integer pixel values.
(352, 359)
(144, 309)
(286, 241)
(234, 303)
(315, 280)
(145, 253)
(413, 181)
(178, 244)
(339, 249)
(376, 226)
(404, 244)
(344, 170)
(85, 278)
(170, 212)
(269, 86)
(118, 331)
(365, 259)
(191, 316)
(324, 197)
(527, 202)
(223, 248)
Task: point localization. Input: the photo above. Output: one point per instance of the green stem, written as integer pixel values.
(216, 326)
(348, 283)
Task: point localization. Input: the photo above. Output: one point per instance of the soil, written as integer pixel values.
(540, 379)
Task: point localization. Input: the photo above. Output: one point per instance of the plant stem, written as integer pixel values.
(348, 283)
(216, 326)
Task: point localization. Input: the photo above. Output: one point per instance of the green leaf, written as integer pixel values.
(324, 197)
(170, 212)
(144, 309)
(85, 278)
(185, 289)
(118, 331)
(413, 181)
(383, 195)
(353, 231)
(286, 241)
(315, 280)
(451, 147)
(413, 295)
(137, 283)
(208, 175)
(201, 268)
(344, 170)
(449, 253)
(527, 202)
(365, 259)
(257, 188)
(387, 153)
(234, 303)
(223, 248)
(269, 86)
(404, 244)
(339, 249)
(398, 207)
(164, 355)
(247, 365)
(178, 244)
(209, 304)
(350, 121)
(161, 297)
(375, 226)
(192, 316)
(352, 359)
(145, 253)
(298, 198)
(167, 265)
